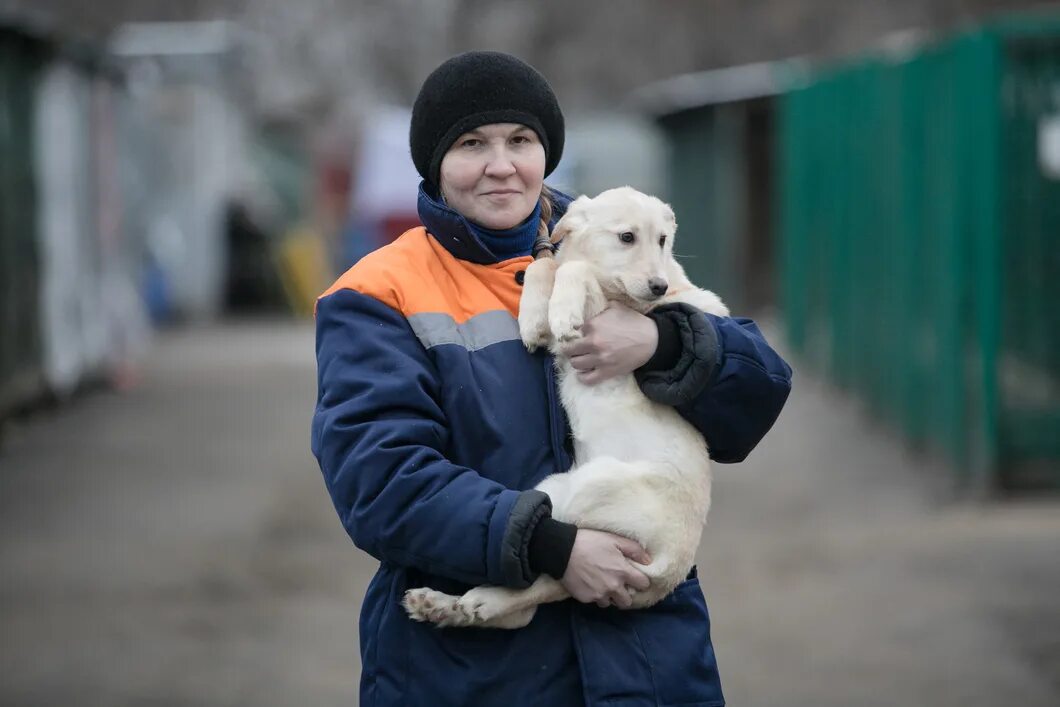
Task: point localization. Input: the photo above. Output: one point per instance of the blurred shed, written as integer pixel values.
(90, 313)
(23, 54)
(719, 128)
(69, 309)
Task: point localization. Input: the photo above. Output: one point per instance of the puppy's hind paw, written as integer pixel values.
(416, 604)
(425, 604)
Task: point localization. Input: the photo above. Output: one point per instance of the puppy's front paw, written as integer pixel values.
(533, 330)
(533, 305)
(566, 322)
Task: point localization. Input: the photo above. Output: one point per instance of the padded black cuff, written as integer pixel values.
(668, 350)
(530, 508)
(699, 359)
(550, 546)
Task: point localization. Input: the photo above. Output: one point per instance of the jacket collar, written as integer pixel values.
(454, 232)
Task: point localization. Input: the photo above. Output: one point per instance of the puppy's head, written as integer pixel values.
(628, 236)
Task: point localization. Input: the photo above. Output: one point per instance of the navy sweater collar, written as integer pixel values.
(468, 241)
(510, 242)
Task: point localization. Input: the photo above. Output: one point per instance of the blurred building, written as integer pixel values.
(189, 150)
(384, 184)
(122, 172)
(609, 149)
(70, 248)
(719, 127)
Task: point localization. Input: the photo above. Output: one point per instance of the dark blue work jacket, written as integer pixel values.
(432, 426)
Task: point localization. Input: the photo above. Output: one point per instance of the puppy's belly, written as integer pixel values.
(663, 513)
(647, 440)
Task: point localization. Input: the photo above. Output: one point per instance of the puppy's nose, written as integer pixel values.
(658, 286)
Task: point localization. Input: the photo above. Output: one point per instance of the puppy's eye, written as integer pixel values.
(662, 241)
(627, 237)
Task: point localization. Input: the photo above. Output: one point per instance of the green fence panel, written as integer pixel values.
(918, 231)
(1029, 366)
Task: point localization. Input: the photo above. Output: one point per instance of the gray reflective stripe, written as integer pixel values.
(435, 329)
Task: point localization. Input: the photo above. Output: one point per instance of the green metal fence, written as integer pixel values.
(919, 231)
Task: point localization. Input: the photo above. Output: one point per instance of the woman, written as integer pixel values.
(433, 424)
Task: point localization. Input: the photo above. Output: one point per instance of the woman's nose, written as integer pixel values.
(500, 164)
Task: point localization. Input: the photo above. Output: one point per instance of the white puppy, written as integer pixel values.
(641, 470)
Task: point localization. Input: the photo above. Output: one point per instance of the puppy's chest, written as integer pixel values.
(609, 413)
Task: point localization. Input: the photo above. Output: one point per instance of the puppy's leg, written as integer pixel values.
(576, 296)
(487, 607)
(558, 487)
(636, 500)
(533, 306)
(682, 290)
(517, 619)
(703, 300)
(493, 607)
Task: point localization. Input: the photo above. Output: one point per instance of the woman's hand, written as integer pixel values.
(615, 342)
(599, 569)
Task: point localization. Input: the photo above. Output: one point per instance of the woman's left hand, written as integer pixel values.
(615, 342)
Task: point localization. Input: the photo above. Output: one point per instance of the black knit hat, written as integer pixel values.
(475, 89)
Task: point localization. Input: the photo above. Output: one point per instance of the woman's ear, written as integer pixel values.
(573, 219)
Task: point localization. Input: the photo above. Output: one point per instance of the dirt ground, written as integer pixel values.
(174, 545)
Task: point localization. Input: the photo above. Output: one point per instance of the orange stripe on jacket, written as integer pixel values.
(416, 274)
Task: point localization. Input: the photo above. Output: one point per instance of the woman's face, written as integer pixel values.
(493, 174)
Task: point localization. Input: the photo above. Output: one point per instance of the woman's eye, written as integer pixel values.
(471, 142)
(627, 237)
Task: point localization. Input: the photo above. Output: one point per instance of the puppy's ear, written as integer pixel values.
(572, 220)
(669, 216)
